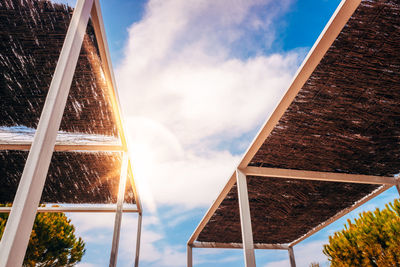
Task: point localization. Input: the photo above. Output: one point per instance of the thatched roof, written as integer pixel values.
(344, 119)
(73, 177)
(32, 33)
(282, 209)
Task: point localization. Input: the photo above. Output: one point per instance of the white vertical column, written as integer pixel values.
(245, 220)
(291, 257)
(189, 256)
(138, 236)
(398, 185)
(118, 213)
(19, 226)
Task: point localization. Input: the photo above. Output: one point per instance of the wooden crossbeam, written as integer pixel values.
(318, 176)
(66, 147)
(237, 245)
(77, 209)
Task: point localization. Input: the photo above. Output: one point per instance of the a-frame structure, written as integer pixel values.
(45, 146)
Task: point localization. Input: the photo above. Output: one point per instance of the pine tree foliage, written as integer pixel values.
(373, 239)
(52, 242)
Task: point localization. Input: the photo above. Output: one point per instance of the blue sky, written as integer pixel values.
(185, 70)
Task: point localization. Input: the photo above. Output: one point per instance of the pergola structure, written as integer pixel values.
(62, 141)
(331, 144)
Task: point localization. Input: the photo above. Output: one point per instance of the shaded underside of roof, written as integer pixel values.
(73, 177)
(345, 119)
(32, 34)
(282, 210)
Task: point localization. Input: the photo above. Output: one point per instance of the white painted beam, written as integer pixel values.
(19, 226)
(118, 213)
(138, 237)
(134, 188)
(318, 176)
(212, 209)
(76, 209)
(291, 257)
(245, 220)
(100, 33)
(65, 147)
(237, 245)
(101, 37)
(189, 256)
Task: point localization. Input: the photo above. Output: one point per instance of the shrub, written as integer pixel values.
(373, 239)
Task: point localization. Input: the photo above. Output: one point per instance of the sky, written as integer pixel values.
(196, 80)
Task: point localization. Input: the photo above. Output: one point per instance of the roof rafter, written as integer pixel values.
(237, 245)
(66, 147)
(318, 176)
(96, 208)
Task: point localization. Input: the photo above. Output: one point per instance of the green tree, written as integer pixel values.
(52, 242)
(373, 239)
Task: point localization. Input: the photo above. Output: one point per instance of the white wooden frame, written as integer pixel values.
(22, 214)
(245, 220)
(237, 245)
(318, 176)
(118, 213)
(291, 257)
(321, 46)
(77, 209)
(139, 235)
(67, 147)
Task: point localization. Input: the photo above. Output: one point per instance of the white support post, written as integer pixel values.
(291, 257)
(398, 185)
(118, 213)
(19, 226)
(189, 256)
(245, 220)
(138, 236)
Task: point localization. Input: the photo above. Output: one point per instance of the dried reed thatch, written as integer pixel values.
(32, 33)
(73, 177)
(282, 210)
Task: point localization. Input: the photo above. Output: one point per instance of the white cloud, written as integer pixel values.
(70, 3)
(187, 84)
(305, 254)
(194, 77)
(96, 229)
(83, 264)
(175, 175)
